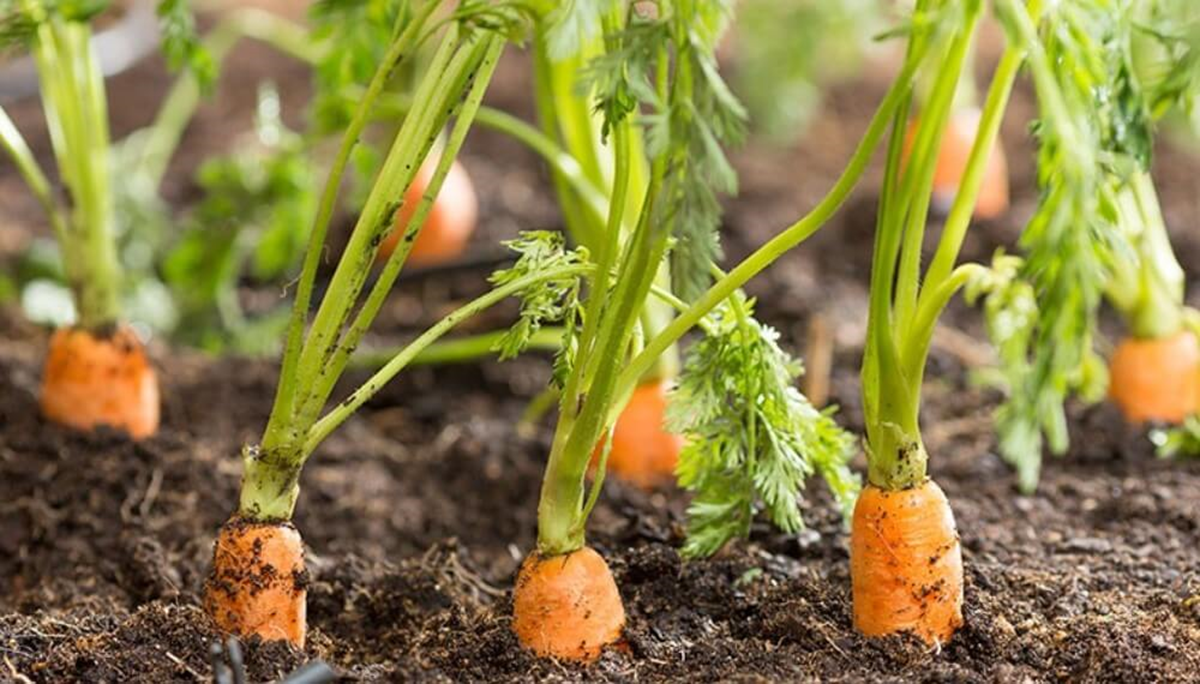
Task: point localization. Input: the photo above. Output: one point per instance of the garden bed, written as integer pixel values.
(418, 512)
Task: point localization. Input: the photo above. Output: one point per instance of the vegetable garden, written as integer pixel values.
(668, 340)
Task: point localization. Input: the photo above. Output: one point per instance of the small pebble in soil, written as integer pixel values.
(1086, 545)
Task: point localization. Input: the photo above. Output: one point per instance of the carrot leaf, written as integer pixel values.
(1070, 241)
(1178, 442)
(573, 24)
(181, 43)
(752, 437)
(554, 301)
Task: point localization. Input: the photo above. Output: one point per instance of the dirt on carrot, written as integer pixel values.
(906, 563)
(258, 585)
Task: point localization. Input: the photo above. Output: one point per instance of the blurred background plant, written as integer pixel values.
(784, 56)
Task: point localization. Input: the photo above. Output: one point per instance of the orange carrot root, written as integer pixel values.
(952, 164)
(1156, 379)
(258, 585)
(450, 222)
(567, 606)
(91, 380)
(906, 563)
(643, 452)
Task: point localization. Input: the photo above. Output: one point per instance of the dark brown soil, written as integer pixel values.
(417, 512)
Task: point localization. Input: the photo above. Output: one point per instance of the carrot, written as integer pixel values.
(258, 582)
(643, 452)
(92, 379)
(906, 563)
(1156, 379)
(450, 222)
(257, 585)
(952, 159)
(567, 606)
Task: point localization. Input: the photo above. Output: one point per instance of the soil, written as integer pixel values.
(417, 512)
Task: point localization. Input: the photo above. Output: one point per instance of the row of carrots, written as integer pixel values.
(91, 380)
(616, 395)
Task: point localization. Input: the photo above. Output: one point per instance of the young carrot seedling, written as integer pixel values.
(906, 562)
(96, 372)
(257, 583)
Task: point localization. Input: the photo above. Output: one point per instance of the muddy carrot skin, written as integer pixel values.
(906, 563)
(643, 452)
(450, 223)
(1156, 379)
(952, 164)
(258, 582)
(93, 379)
(567, 606)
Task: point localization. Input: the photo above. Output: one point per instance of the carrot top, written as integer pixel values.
(663, 65)
(1097, 230)
(319, 347)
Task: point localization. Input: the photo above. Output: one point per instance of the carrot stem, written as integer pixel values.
(788, 238)
(278, 427)
(73, 97)
(18, 150)
(904, 312)
(1148, 289)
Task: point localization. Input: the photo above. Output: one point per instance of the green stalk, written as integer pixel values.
(583, 227)
(595, 201)
(793, 235)
(14, 145)
(374, 221)
(466, 63)
(358, 397)
(898, 348)
(1151, 299)
(77, 116)
(940, 280)
(278, 427)
(566, 115)
(161, 138)
(918, 185)
(463, 350)
(478, 64)
(270, 482)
